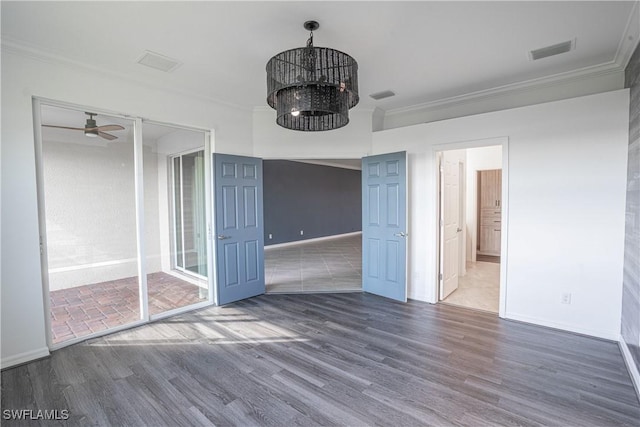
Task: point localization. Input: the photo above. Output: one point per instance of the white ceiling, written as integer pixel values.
(424, 51)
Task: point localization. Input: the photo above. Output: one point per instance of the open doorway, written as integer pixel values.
(313, 224)
(470, 218)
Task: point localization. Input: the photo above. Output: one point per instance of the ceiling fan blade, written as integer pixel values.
(109, 127)
(61, 127)
(107, 136)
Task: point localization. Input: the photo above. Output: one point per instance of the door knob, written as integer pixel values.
(221, 237)
(401, 234)
(459, 229)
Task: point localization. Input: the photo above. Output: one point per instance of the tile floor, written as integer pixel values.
(333, 265)
(80, 311)
(479, 288)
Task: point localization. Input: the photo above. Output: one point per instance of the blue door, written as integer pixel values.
(239, 227)
(384, 225)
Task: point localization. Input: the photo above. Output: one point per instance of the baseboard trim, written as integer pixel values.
(631, 365)
(19, 359)
(315, 239)
(607, 335)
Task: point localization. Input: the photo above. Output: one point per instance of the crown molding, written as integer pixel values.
(630, 37)
(514, 88)
(28, 50)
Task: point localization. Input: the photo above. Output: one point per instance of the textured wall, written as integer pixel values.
(631, 278)
(321, 200)
(90, 211)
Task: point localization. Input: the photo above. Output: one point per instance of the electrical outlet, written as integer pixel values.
(566, 298)
(302, 232)
(270, 236)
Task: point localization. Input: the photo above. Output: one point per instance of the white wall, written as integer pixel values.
(154, 212)
(274, 142)
(481, 158)
(22, 313)
(566, 201)
(90, 211)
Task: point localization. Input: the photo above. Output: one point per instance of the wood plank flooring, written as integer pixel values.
(331, 359)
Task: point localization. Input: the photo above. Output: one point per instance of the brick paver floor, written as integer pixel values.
(80, 311)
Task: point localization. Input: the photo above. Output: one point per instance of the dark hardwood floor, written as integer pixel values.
(341, 359)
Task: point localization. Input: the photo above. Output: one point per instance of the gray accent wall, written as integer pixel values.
(631, 277)
(320, 200)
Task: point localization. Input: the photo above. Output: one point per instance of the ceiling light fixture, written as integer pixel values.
(312, 88)
(91, 128)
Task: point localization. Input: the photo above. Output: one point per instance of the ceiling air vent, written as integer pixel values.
(159, 62)
(382, 95)
(552, 50)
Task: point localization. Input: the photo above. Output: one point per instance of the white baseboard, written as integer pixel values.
(315, 239)
(597, 333)
(25, 357)
(631, 365)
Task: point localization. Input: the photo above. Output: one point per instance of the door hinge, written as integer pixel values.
(441, 223)
(440, 276)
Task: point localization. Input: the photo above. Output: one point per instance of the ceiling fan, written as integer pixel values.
(91, 129)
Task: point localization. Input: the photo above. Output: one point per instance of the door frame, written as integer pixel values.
(457, 145)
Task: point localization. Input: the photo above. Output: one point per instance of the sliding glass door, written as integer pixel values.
(175, 217)
(190, 248)
(124, 214)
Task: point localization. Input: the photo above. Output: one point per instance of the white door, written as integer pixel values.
(450, 227)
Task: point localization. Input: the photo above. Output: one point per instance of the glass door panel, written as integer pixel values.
(175, 217)
(88, 191)
(194, 251)
(177, 212)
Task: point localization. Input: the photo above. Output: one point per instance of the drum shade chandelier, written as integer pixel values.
(312, 88)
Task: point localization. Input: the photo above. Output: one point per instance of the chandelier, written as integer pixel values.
(312, 88)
